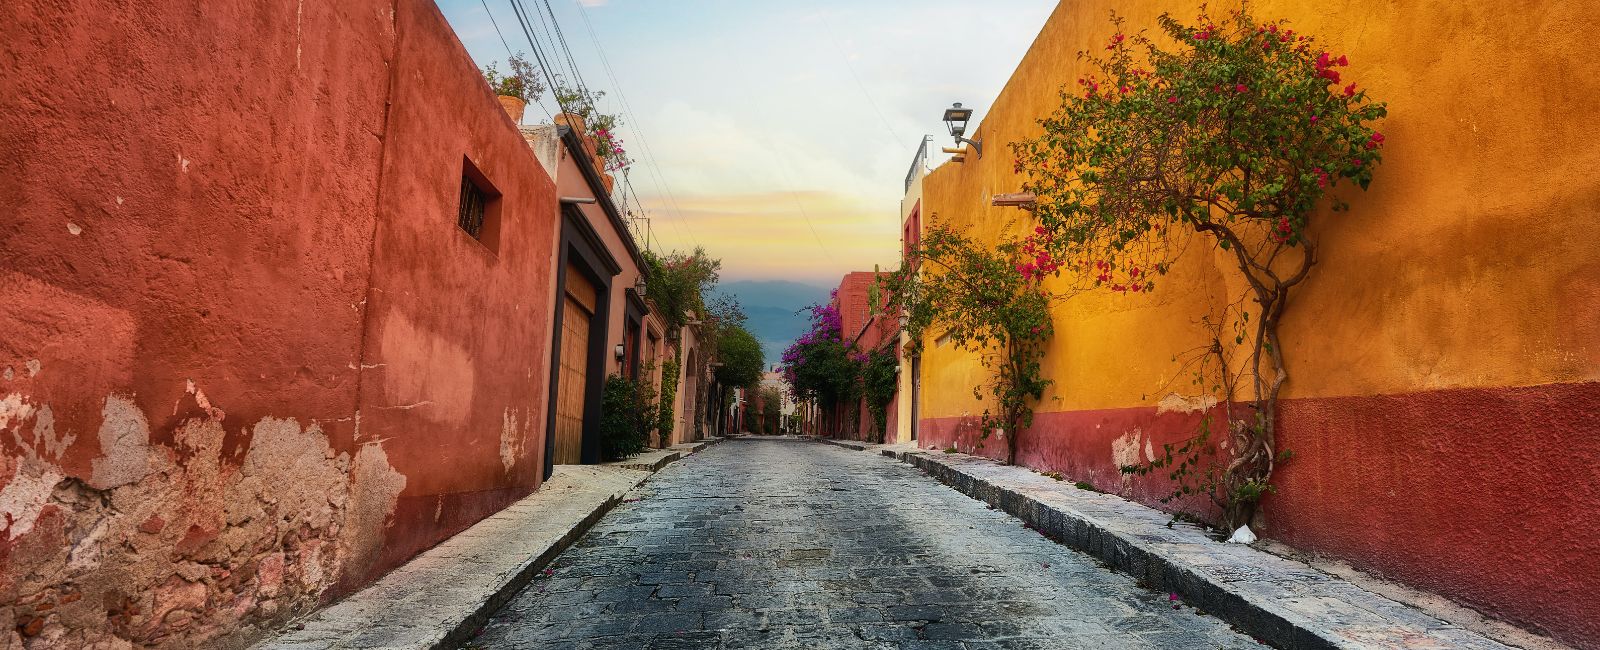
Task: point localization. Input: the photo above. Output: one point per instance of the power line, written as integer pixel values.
(538, 54)
(572, 64)
(837, 47)
(783, 167)
(654, 166)
(496, 26)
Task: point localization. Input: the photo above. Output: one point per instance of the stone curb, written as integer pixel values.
(1283, 602)
(847, 444)
(442, 596)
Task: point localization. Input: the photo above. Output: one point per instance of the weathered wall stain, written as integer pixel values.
(177, 549)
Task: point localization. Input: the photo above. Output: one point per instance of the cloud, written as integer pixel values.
(809, 236)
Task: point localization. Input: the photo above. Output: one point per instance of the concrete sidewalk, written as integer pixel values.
(1281, 601)
(442, 595)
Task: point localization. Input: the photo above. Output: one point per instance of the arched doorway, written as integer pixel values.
(691, 393)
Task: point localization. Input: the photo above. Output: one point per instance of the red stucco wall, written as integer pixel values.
(1414, 486)
(853, 297)
(457, 337)
(246, 360)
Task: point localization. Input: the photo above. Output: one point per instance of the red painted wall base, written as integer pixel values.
(1487, 496)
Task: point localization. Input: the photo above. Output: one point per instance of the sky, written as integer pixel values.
(777, 135)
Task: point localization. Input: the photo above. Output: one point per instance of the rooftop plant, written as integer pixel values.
(521, 82)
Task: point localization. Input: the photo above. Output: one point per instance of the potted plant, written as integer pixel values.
(516, 88)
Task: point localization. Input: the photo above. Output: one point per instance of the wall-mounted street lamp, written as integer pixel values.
(638, 286)
(621, 351)
(955, 119)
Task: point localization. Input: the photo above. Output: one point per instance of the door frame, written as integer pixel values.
(581, 248)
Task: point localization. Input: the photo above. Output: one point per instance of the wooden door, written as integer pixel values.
(572, 386)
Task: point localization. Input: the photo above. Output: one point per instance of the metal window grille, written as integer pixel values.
(470, 214)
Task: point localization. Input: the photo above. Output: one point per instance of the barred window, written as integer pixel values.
(470, 214)
(478, 208)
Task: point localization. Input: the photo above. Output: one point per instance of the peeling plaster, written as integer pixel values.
(1125, 450)
(511, 437)
(158, 548)
(375, 488)
(1175, 403)
(33, 367)
(14, 407)
(124, 445)
(24, 498)
(44, 433)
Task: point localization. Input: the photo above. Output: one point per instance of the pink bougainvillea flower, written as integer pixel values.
(1350, 90)
(1240, 88)
(1172, 100)
(1343, 60)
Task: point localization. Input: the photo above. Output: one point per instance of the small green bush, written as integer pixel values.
(625, 420)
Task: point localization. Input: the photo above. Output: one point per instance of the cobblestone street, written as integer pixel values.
(773, 543)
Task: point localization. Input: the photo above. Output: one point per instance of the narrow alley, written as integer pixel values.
(781, 543)
(479, 324)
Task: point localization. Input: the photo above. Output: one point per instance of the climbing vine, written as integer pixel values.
(1237, 134)
(878, 383)
(669, 395)
(987, 299)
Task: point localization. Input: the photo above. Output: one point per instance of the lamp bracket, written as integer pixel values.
(977, 145)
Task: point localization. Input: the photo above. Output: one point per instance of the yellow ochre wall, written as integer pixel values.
(1473, 260)
(1444, 352)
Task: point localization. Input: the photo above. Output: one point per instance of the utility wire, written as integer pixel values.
(538, 54)
(572, 63)
(837, 47)
(654, 167)
(783, 167)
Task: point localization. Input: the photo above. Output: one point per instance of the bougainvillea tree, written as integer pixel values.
(819, 366)
(1238, 132)
(986, 299)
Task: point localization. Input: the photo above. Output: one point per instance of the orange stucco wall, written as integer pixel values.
(1453, 302)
